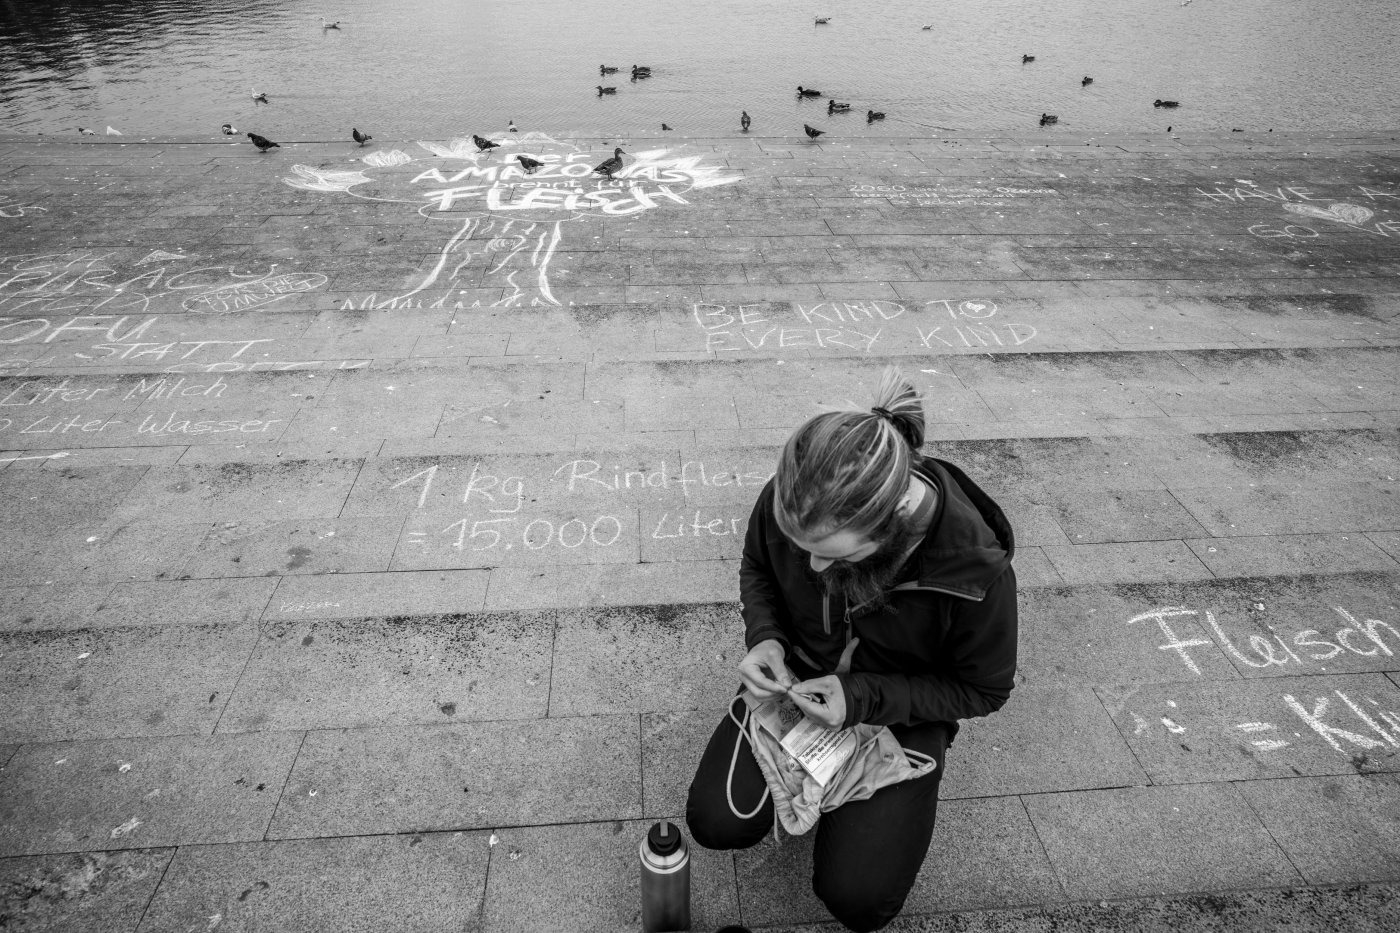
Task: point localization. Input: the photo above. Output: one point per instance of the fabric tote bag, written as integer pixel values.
(878, 760)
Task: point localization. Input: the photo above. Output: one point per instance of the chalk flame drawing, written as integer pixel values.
(510, 222)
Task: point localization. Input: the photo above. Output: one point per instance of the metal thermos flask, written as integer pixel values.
(665, 880)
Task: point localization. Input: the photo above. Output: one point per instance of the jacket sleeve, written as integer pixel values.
(758, 587)
(976, 679)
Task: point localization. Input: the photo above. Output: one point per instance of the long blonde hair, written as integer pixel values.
(847, 470)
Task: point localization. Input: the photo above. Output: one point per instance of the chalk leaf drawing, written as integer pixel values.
(387, 159)
(1353, 214)
(508, 222)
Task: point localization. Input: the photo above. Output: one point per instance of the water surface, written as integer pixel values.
(400, 68)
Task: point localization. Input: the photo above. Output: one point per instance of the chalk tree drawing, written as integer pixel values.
(509, 223)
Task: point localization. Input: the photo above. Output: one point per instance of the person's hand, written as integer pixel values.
(763, 670)
(821, 700)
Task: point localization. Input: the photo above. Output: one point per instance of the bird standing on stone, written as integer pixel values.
(262, 142)
(531, 166)
(359, 137)
(228, 130)
(484, 144)
(606, 90)
(872, 115)
(609, 166)
(812, 133)
(744, 120)
(807, 92)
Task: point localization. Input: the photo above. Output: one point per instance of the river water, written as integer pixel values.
(404, 68)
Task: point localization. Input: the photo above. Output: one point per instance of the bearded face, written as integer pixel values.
(866, 580)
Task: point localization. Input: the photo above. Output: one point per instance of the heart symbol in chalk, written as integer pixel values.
(977, 309)
(1353, 214)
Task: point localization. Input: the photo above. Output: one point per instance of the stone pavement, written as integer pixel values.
(372, 518)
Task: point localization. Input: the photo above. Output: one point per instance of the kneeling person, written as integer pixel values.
(877, 585)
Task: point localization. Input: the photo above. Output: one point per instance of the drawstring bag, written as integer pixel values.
(878, 761)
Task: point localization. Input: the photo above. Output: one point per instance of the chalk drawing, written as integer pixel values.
(541, 533)
(62, 453)
(11, 207)
(159, 255)
(509, 224)
(858, 326)
(1353, 724)
(387, 159)
(1369, 638)
(948, 195)
(94, 281)
(1308, 202)
(505, 494)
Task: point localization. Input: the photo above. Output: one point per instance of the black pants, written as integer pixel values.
(867, 853)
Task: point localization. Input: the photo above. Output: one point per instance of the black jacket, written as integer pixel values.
(943, 649)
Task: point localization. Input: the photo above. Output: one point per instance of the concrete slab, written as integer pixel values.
(1291, 554)
(1045, 739)
(1335, 830)
(216, 602)
(140, 793)
(558, 586)
(1388, 541)
(49, 605)
(282, 548)
(366, 595)
(466, 776)
(645, 659)
(65, 685)
(1138, 561)
(346, 673)
(1365, 908)
(88, 891)
(423, 882)
(234, 491)
(1279, 510)
(1156, 840)
(1095, 516)
(584, 877)
(672, 743)
(984, 854)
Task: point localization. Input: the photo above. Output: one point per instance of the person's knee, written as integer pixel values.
(714, 826)
(858, 905)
